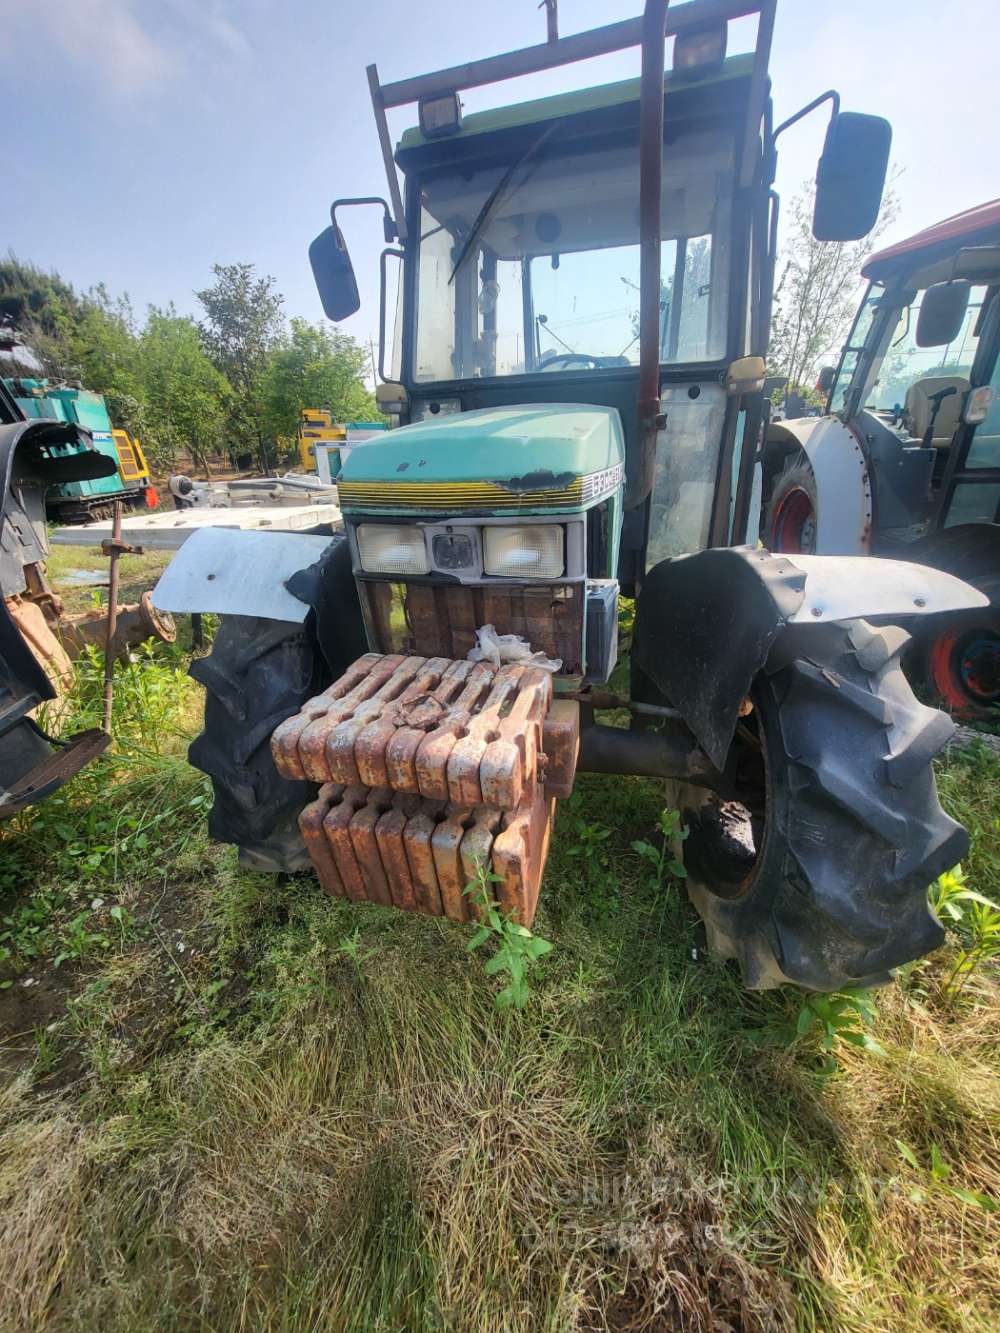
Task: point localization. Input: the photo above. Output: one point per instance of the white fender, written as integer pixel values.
(865, 587)
(843, 488)
(237, 572)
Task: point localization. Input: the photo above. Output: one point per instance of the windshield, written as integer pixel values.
(532, 266)
(903, 364)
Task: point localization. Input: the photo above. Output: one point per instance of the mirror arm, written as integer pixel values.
(388, 225)
(386, 253)
(831, 95)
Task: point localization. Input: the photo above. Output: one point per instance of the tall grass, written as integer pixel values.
(311, 1116)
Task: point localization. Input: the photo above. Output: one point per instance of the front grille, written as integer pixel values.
(452, 497)
(441, 621)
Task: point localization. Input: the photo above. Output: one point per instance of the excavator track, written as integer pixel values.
(429, 768)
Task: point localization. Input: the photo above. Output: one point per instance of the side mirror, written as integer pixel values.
(745, 375)
(851, 176)
(825, 381)
(334, 274)
(942, 312)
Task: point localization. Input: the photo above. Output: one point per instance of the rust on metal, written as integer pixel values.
(561, 747)
(431, 768)
(442, 621)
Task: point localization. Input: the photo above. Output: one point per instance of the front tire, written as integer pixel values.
(818, 873)
(259, 673)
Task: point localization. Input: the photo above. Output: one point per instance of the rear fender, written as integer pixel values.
(706, 624)
(843, 484)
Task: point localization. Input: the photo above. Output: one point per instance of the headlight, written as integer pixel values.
(385, 548)
(526, 553)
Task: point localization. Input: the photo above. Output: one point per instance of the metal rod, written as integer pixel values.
(603, 699)
(112, 626)
(382, 125)
(650, 205)
(759, 92)
(646, 754)
(549, 55)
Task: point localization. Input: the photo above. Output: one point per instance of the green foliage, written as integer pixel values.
(936, 1178)
(976, 921)
(235, 381)
(315, 367)
(242, 328)
(825, 1021)
(186, 396)
(516, 947)
(661, 857)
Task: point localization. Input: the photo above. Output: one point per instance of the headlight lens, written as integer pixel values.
(385, 548)
(528, 553)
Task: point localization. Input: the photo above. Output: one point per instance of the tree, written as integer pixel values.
(187, 397)
(315, 367)
(817, 292)
(243, 325)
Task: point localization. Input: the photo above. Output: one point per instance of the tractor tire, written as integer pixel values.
(258, 673)
(790, 519)
(818, 873)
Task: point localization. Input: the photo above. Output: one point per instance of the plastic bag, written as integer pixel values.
(499, 648)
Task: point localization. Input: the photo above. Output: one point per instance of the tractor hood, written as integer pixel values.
(503, 458)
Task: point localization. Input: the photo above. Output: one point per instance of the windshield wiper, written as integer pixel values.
(493, 198)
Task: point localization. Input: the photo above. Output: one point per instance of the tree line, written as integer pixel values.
(230, 383)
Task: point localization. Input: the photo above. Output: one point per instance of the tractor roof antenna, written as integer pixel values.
(551, 8)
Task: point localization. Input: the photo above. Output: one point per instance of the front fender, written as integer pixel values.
(706, 623)
(237, 572)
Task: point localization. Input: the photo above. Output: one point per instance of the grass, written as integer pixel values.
(137, 573)
(237, 1104)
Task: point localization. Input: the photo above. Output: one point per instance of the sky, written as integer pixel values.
(149, 139)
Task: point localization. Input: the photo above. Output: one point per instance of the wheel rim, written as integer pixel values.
(732, 852)
(795, 523)
(965, 667)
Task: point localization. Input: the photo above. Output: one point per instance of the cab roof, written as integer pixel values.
(976, 226)
(578, 102)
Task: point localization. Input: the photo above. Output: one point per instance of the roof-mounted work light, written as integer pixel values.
(700, 50)
(440, 115)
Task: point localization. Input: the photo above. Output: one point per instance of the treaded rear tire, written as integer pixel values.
(258, 673)
(796, 478)
(851, 833)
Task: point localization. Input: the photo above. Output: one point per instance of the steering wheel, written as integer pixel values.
(566, 360)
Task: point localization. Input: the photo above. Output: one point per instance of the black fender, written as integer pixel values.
(704, 627)
(328, 587)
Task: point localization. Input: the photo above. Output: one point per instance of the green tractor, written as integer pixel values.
(579, 385)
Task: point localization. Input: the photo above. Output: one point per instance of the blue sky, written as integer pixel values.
(151, 138)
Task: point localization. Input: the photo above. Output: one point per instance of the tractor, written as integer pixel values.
(91, 498)
(906, 461)
(578, 386)
(38, 641)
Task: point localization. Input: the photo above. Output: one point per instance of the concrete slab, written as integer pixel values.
(170, 530)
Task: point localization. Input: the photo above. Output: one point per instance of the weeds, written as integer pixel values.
(661, 858)
(516, 947)
(937, 1177)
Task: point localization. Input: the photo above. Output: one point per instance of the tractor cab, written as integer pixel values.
(922, 361)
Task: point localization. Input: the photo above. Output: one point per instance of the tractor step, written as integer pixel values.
(430, 767)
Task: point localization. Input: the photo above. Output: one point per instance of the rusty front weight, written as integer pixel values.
(430, 768)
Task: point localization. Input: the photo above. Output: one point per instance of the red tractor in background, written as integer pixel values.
(906, 463)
